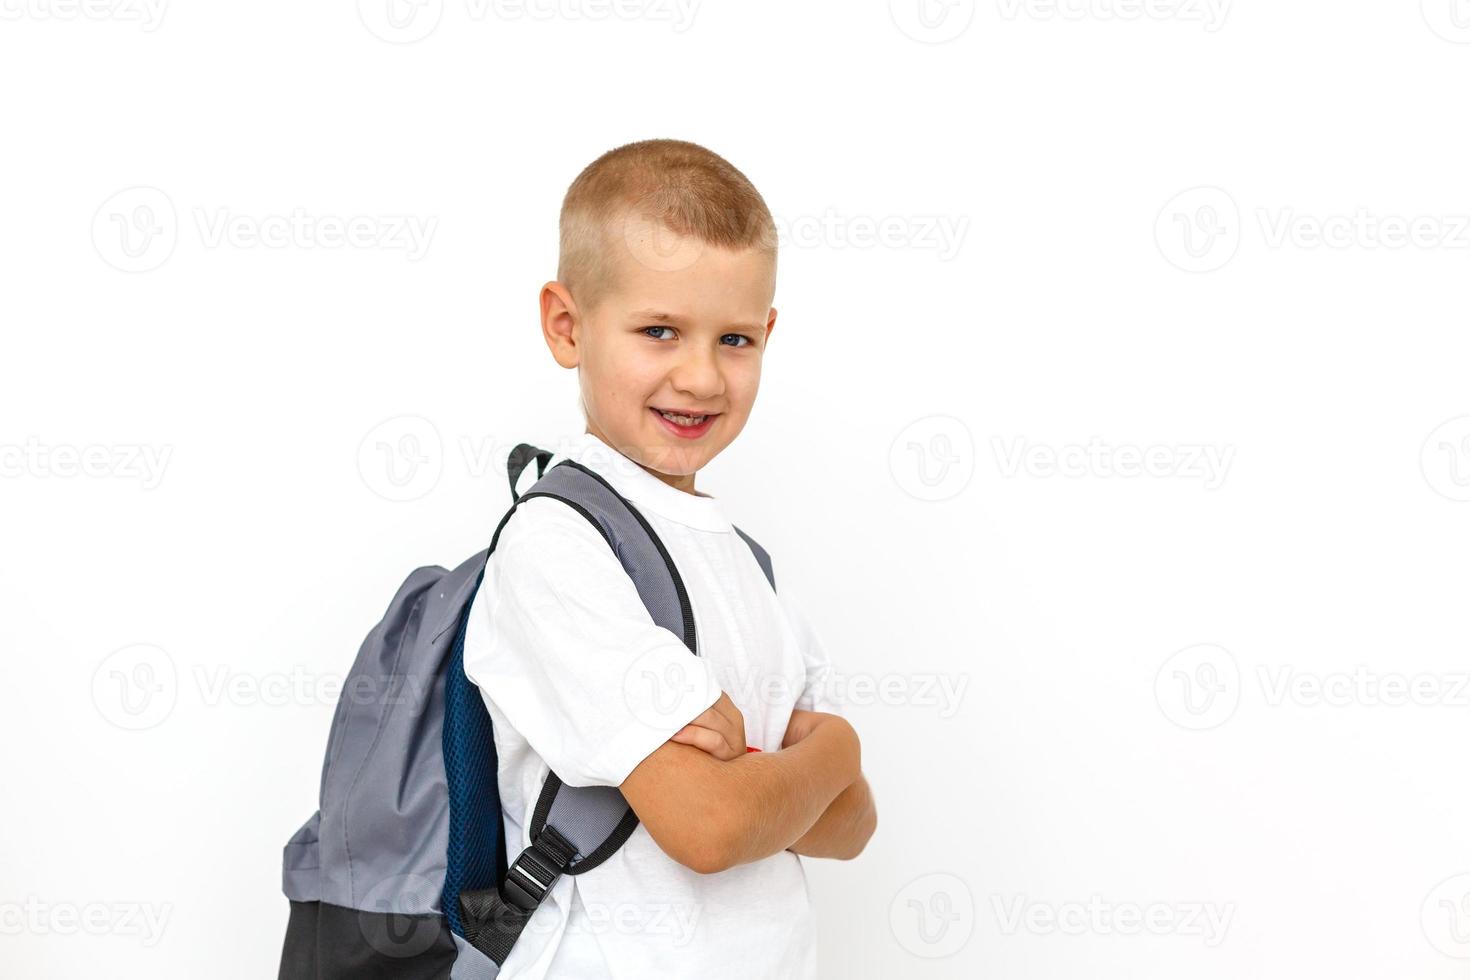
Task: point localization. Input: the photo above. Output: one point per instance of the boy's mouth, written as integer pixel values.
(687, 426)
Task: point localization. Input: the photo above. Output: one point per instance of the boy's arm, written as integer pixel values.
(710, 815)
(845, 827)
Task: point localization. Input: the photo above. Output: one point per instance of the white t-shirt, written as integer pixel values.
(578, 678)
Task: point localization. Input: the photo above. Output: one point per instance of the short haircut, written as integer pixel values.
(690, 190)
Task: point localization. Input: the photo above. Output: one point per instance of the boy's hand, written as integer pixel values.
(720, 731)
(802, 724)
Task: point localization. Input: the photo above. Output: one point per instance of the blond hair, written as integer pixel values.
(688, 189)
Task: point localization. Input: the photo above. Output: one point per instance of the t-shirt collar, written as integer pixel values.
(645, 490)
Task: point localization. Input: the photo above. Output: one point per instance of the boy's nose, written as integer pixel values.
(698, 374)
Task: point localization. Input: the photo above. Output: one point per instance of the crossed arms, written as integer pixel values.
(711, 806)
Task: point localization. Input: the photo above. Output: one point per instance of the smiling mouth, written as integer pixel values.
(684, 418)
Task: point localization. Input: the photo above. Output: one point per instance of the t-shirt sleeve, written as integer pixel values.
(820, 693)
(572, 658)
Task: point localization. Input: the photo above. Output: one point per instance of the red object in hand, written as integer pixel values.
(751, 748)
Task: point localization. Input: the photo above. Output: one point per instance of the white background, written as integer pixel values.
(1184, 692)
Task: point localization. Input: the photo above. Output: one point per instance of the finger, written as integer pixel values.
(703, 739)
(733, 722)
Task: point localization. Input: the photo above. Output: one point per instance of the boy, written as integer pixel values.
(663, 305)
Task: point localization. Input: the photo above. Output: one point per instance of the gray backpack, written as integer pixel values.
(402, 873)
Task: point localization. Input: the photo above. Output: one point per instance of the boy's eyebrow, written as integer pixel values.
(656, 315)
(663, 317)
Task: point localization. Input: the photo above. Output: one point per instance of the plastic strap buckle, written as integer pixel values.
(536, 869)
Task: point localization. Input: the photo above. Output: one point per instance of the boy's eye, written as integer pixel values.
(740, 339)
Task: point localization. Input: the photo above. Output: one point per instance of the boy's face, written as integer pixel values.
(683, 328)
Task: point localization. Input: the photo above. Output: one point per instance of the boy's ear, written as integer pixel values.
(770, 324)
(559, 323)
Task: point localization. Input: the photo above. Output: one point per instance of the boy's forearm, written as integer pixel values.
(710, 815)
(777, 797)
(844, 828)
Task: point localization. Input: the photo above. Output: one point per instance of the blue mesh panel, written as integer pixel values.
(476, 853)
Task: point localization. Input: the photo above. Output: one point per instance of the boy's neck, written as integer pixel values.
(684, 483)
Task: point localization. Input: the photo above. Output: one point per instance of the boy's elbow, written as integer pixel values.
(705, 850)
(865, 831)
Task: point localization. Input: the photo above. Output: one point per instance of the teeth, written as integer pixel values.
(684, 419)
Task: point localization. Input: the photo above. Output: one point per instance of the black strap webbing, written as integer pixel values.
(494, 918)
(516, 463)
